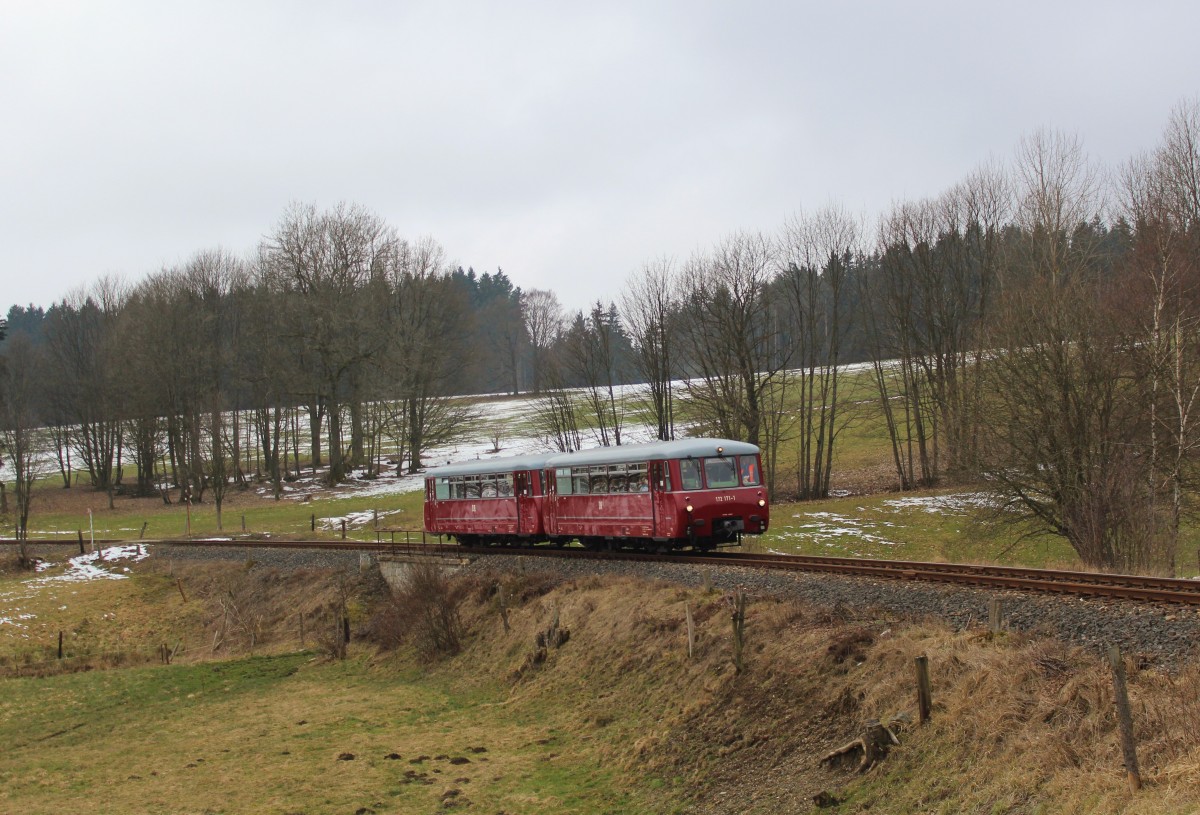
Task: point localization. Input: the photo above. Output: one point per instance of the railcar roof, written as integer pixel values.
(486, 466)
(656, 450)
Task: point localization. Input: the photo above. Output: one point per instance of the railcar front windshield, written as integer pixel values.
(718, 473)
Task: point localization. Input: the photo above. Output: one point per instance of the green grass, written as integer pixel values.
(287, 516)
(265, 735)
(939, 525)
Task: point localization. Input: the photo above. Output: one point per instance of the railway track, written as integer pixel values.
(1083, 584)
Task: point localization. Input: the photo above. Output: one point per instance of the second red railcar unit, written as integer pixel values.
(494, 501)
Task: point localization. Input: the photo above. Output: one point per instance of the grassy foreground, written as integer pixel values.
(287, 733)
(618, 719)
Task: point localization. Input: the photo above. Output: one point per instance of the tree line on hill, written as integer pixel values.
(1036, 326)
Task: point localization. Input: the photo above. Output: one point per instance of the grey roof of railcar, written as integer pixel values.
(681, 448)
(656, 450)
(487, 466)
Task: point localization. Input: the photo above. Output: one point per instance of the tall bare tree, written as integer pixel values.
(19, 399)
(589, 352)
(649, 306)
(817, 253)
(85, 380)
(733, 347)
(331, 268)
(1161, 197)
(543, 324)
(426, 351)
(1068, 429)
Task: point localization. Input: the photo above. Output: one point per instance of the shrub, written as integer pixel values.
(423, 613)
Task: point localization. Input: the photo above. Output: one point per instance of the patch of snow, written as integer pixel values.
(82, 568)
(956, 503)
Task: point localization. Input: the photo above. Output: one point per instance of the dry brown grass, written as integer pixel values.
(1020, 724)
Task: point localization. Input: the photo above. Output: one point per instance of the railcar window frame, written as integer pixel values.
(727, 480)
(562, 481)
(748, 471)
(478, 487)
(690, 481)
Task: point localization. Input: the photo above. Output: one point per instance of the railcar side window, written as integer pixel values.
(689, 474)
(562, 480)
(580, 483)
(442, 489)
(749, 466)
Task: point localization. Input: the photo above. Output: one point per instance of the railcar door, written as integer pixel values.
(527, 514)
(521, 489)
(660, 499)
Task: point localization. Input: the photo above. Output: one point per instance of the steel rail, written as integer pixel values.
(1087, 584)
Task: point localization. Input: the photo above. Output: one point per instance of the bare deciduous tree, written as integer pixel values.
(732, 339)
(817, 253)
(543, 324)
(649, 306)
(331, 269)
(18, 427)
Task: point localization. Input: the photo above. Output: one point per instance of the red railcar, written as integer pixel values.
(701, 493)
(495, 501)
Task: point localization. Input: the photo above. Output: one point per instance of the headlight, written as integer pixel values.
(761, 502)
(688, 507)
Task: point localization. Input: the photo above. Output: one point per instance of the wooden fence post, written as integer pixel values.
(142, 534)
(343, 528)
(738, 617)
(81, 549)
(691, 629)
(995, 615)
(312, 524)
(924, 691)
(1124, 718)
(60, 650)
(502, 596)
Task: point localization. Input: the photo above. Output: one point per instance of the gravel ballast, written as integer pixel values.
(1161, 634)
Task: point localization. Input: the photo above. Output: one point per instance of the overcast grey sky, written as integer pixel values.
(566, 143)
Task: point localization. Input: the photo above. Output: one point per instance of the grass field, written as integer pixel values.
(287, 733)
